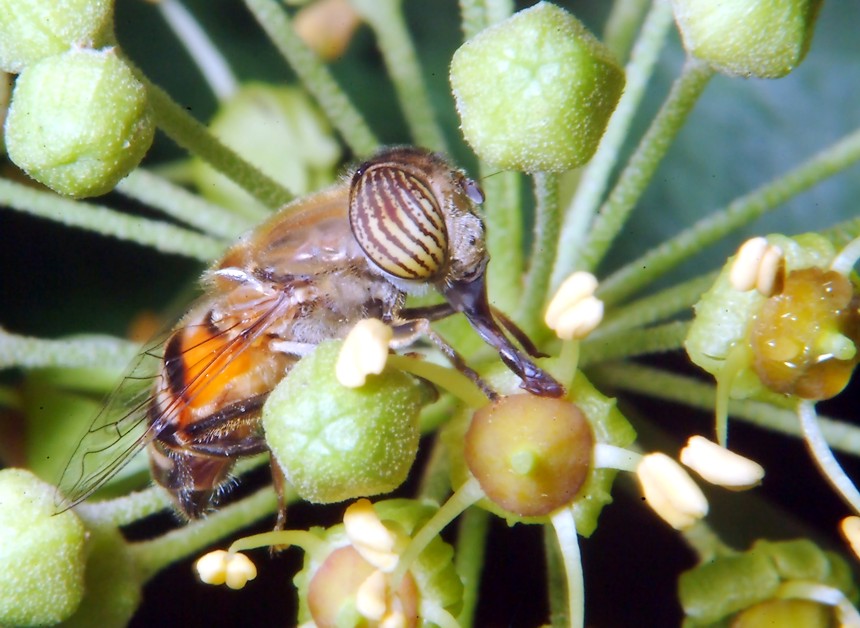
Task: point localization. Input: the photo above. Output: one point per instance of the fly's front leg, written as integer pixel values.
(406, 333)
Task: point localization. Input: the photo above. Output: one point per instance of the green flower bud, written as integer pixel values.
(33, 30)
(746, 585)
(717, 589)
(761, 38)
(279, 130)
(336, 443)
(79, 122)
(113, 583)
(42, 554)
(535, 92)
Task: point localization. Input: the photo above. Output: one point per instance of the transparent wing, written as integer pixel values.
(124, 427)
(118, 432)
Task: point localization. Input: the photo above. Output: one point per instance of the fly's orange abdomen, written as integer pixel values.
(202, 365)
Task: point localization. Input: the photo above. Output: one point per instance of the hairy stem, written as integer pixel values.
(544, 247)
(697, 394)
(315, 77)
(151, 233)
(191, 135)
(202, 50)
(656, 307)
(179, 203)
(153, 556)
(401, 60)
(593, 180)
(641, 272)
(643, 164)
(503, 210)
(104, 352)
(623, 22)
(630, 343)
(469, 559)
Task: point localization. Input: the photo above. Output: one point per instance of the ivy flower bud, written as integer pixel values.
(79, 122)
(757, 265)
(33, 30)
(535, 92)
(574, 311)
(718, 465)
(42, 553)
(364, 352)
(670, 491)
(336, 443)
(761, 38)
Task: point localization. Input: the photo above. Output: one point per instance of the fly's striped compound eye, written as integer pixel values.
(398, 222)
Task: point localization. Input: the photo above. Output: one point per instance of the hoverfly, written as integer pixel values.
(405, 221)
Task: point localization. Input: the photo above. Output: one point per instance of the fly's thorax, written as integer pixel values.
(414, 217)
(334, 302)
(304, 238)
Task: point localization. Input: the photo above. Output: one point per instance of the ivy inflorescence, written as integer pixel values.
(540, 100)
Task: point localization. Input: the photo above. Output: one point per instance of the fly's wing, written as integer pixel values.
(124, 426)
(119, 431)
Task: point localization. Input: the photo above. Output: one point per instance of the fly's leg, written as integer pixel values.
(406, 333)
(280, 484)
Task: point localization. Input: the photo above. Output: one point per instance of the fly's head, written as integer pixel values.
(415, 217)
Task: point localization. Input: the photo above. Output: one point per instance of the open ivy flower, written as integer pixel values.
(349, 573)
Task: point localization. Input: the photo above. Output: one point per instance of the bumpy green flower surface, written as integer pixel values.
(79, 122)
(536, 91)
(42, 554)
(35, 29)
(760, 38)
(336, 443)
